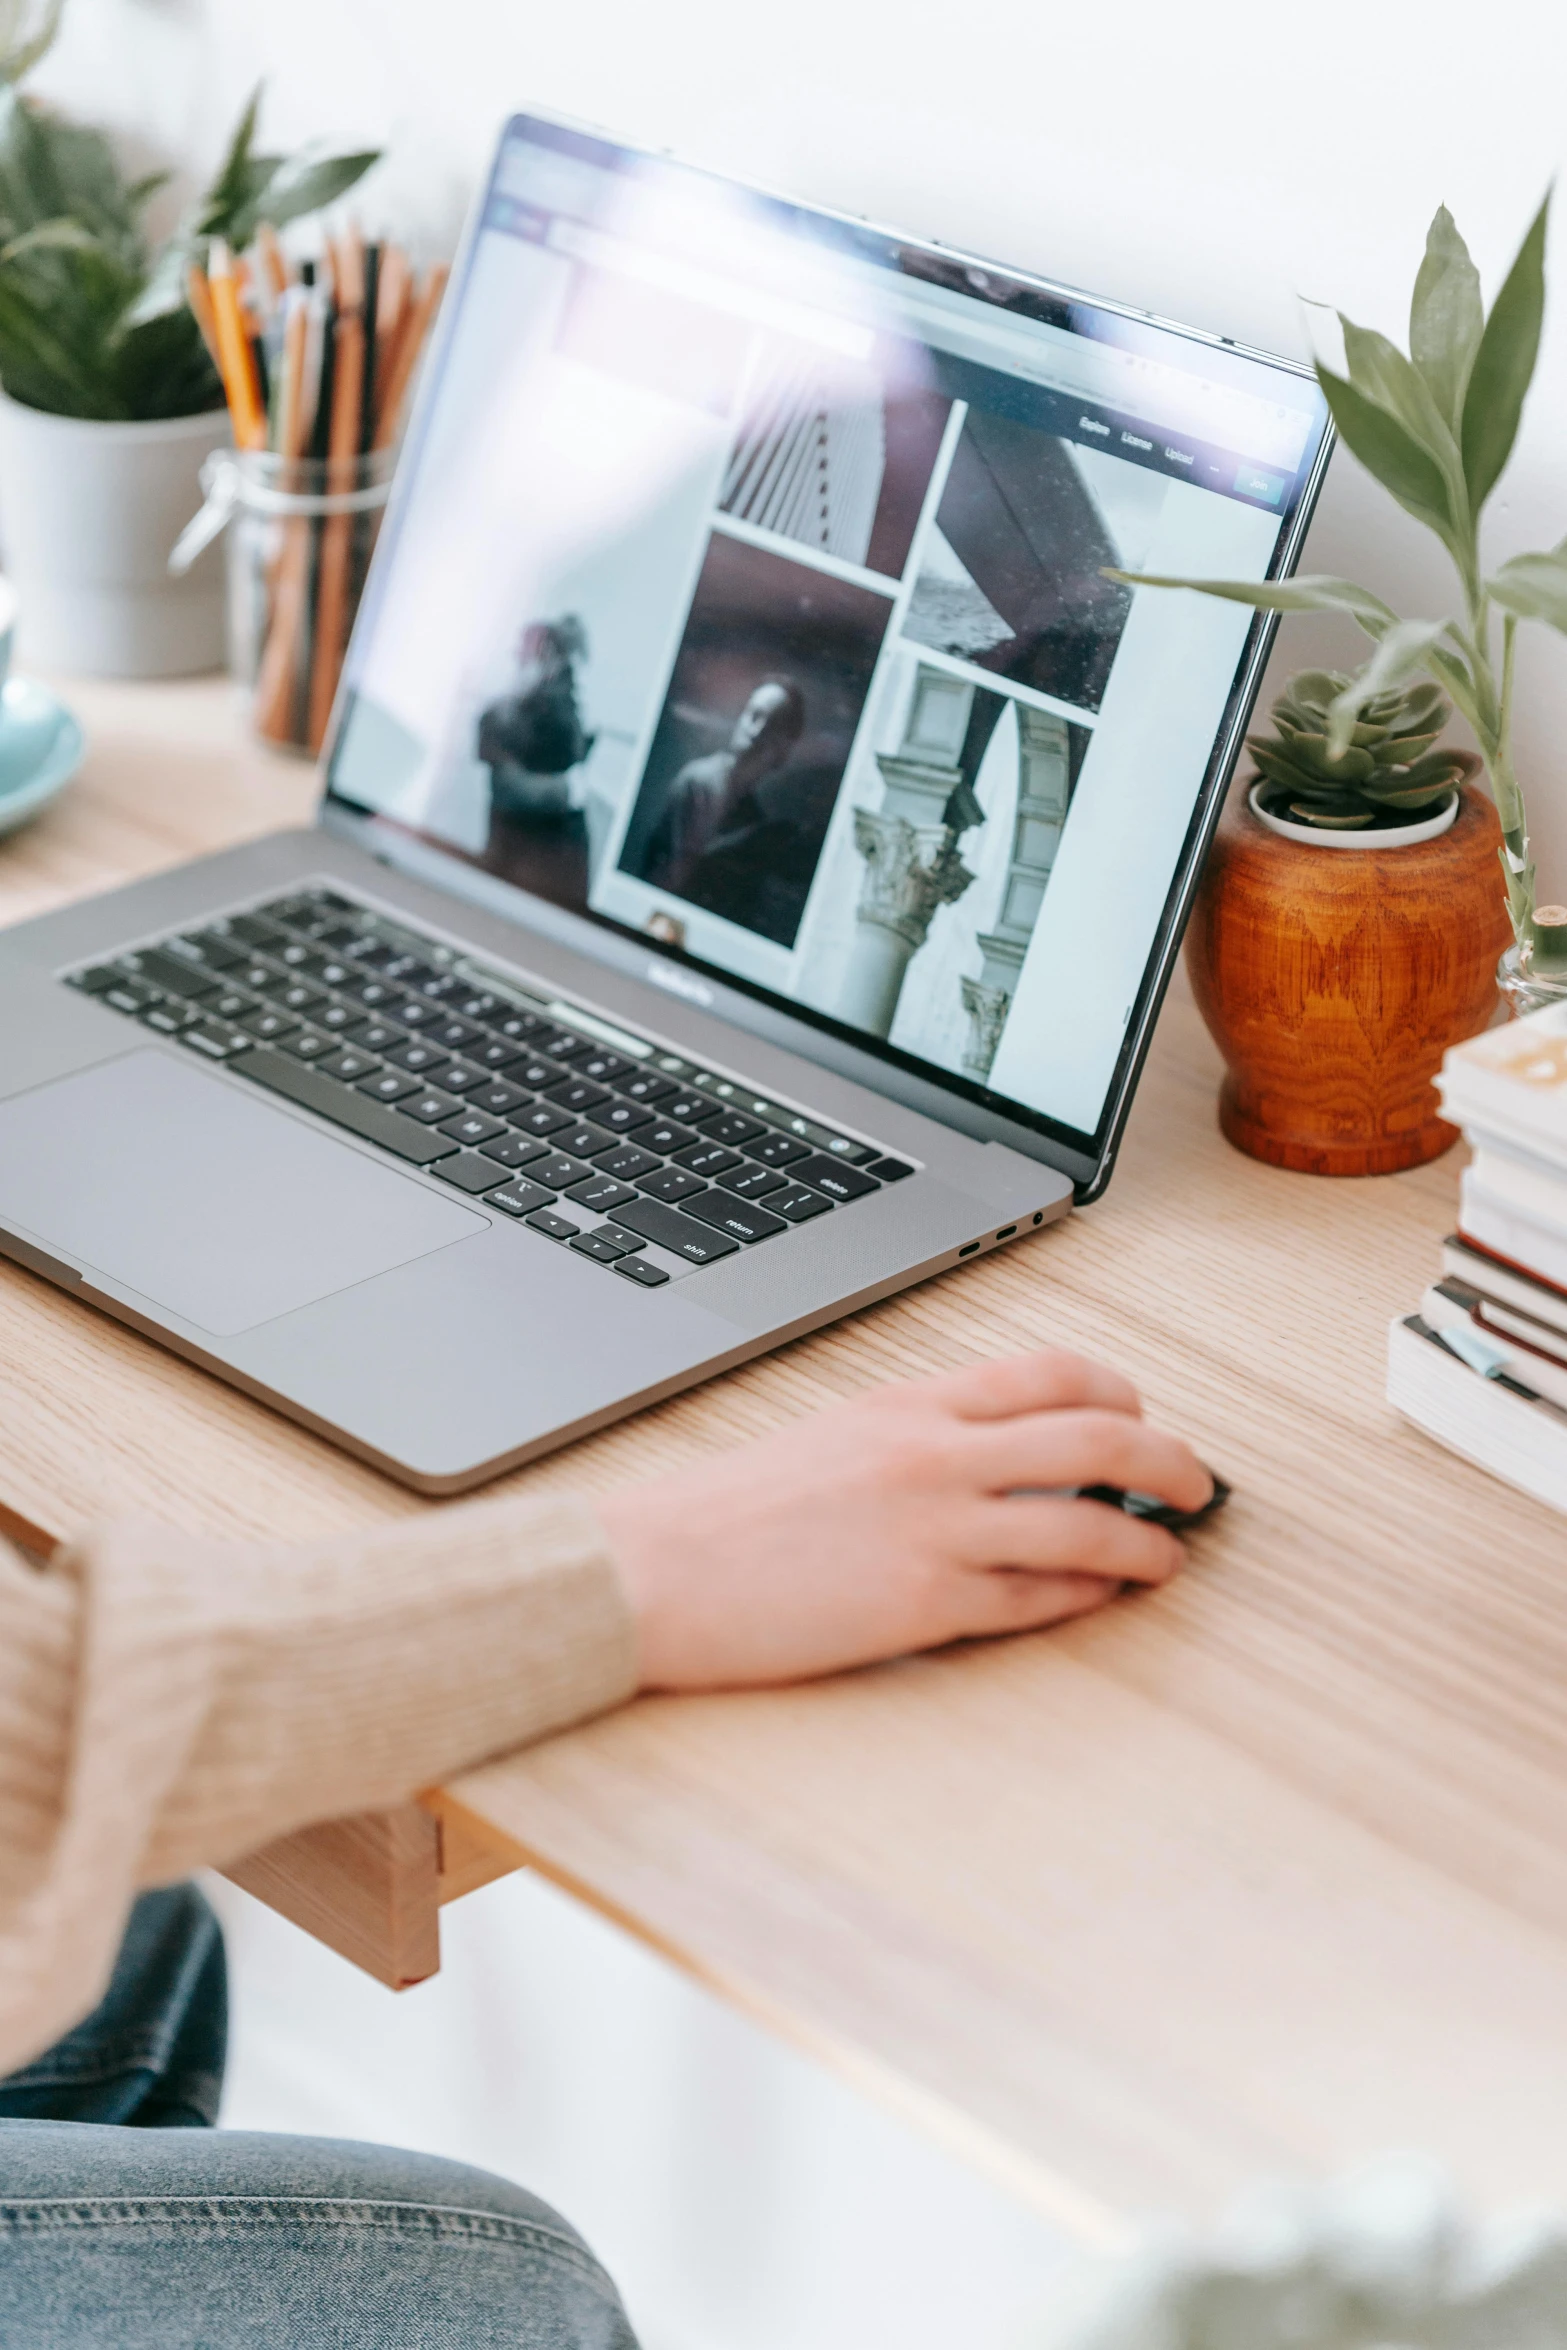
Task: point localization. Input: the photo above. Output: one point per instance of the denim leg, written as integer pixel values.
(152, 2051)
(116, 2239)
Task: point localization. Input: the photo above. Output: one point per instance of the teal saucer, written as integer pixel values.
(41, 746)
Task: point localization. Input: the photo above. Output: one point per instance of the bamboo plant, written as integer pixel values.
(1436, 428)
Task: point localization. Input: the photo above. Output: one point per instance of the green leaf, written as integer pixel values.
(232, 183)
(1446, 316)
(1402, 651)
(1504, 366)
(302, 187)
(1390, 454)
(1379, 369)
(1307, 594)
(1534, 587)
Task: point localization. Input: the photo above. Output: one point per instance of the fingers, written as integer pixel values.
(1026, 1603)
(1049, 1380)
(1052, 1536)
(1087, 1447)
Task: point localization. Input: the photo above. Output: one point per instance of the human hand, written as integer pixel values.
(898, 1521)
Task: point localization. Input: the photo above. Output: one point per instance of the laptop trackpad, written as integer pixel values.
(213, 1204)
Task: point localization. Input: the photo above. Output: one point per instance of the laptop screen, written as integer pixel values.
(746, 590)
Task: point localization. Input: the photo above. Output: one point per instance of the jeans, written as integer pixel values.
(125, 2224)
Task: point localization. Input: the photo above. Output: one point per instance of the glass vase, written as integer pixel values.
(1524, 990)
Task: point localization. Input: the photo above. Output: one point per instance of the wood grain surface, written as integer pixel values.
(1263, 1872)
(1335, 980)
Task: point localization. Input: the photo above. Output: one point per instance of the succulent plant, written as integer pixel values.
(1389, 772)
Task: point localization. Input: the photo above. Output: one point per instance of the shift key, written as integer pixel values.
(650, 1220)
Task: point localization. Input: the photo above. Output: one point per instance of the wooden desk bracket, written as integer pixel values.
(372, 1887)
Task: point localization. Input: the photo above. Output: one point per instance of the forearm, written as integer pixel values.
(167, 1701)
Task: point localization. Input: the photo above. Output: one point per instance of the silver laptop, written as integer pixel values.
(756, 832)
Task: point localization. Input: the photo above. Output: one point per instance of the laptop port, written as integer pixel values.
(1006, 1232)
(969, 1251)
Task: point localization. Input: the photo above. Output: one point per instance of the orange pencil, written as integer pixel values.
(410, 344)
(199, 295)
(274, 265)
(236, 361)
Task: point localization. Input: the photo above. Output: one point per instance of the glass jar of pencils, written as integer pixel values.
(301, 532)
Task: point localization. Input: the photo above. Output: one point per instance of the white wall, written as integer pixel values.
(1212, 159)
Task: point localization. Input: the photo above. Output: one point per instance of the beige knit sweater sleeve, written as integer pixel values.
(167, 1701)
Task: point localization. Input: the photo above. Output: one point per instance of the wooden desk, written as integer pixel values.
(1264, 1871)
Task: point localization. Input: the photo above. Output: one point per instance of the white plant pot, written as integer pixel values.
(1321, 836)
(88, 513)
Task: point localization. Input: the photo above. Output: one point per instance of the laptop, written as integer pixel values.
(756, 831)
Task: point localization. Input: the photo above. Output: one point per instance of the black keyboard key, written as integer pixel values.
(498, 1053)
(214, 1041)
(337, 1017)
(575, 1094)
(889, 1170)
(780, 1150)
(668, 1228)
(296, 953)
(520, 1197)
(268, 1023)
(535, 1072)
(300, 996)
(346, 1107)
(672, 1184)
(709, 1158)
(258, 977)
(324, 969)
(585, 1141)
(347, 1064)
(413, 1012)
(468, 1171)
(308, 1044)
(374, 1036)
(689, 1107)
(604, 1067)
(543, 1118)
(626, 1117)
(97, 981)
(169, 973)
(417, 1056)
(602, 1247)
(170, 1019)
(516, 1150)
(755, 1182)
(219, 954)
(455, 1035)
(130, 995)
(496, 1096)
(839, 1182)
(373, 994)
(522, 1027)
(472, 1127)
(601, 1192)
(255, 932)
(627, 1164)
(665, 1136)
(227, 1003)
(741, 1218)
(562, 1044)
(648, 1088)
(430, 1106)
(388, 1085)
(798, 1204)
(732, 1127)
(473, 1004)
(557, 1172)
(552, 1226)
(645, 1276)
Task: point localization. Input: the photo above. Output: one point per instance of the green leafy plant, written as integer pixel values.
(93, 321)
(1436, 429)
(1390, 772)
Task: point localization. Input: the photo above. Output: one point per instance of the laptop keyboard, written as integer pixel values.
(592, 1136)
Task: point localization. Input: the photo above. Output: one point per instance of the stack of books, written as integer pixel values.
(1483, 1365)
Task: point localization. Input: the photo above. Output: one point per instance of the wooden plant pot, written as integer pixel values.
(1334, 980)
